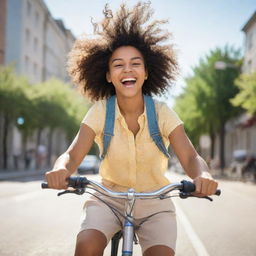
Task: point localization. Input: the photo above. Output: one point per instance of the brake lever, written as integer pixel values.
(78, 191)
(186, 195)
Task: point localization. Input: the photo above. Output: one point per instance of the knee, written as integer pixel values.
(89, 249)
(90, 243)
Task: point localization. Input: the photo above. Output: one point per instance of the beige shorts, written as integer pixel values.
(157, 216)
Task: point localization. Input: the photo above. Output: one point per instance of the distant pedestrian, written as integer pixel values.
(41, 156)
(28, 158)
(16, 157)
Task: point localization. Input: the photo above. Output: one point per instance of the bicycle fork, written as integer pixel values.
(128, 229)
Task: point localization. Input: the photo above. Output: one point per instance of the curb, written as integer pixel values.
(8, 175)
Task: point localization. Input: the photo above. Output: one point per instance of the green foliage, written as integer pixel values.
(205, 103)
(186, 107)
(50, 104)
(246, 98)
(13, 93)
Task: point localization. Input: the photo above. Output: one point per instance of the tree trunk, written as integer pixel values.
(49, 156)
(222, 147)
(38, 142)
(5, 138)
(24, 148)
(212, 137)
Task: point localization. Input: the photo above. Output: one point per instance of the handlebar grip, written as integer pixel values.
(74, 182)
(189, 187)
(44, 185)
(77, 182)
(218, 192)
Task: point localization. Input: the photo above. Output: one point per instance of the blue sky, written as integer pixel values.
(197, 25)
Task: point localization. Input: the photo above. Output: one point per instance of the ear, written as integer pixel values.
(108, 77)
(146, 75)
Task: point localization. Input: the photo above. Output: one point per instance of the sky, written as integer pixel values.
(197, 26)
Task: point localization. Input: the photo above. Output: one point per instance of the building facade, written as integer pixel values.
(36, 45)
(250, 45)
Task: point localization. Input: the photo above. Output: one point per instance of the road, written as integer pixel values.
(36, 222)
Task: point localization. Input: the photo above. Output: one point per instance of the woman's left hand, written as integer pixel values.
(205, 185)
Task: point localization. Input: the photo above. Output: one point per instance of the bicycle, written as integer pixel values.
(80, 184)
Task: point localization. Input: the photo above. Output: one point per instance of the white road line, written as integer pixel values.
(193, 237)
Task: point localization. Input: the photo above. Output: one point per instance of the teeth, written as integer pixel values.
(128, 80)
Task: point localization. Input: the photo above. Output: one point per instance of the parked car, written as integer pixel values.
(89, 164)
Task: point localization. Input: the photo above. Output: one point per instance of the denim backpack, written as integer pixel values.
(152, 125)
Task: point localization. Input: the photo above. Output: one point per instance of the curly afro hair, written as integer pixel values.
(89, 59)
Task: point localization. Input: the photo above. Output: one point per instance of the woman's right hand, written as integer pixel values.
(57, 179)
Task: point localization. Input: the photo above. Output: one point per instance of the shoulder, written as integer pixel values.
(162, 108)
(168, 119)
(98, 108)
(99, 105)
(95, 116)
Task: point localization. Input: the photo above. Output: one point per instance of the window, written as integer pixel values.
(27, 64)
(36, 18)
(27, 36)
(35, 44)
(35, 69)
(28, 8)
(250, 40)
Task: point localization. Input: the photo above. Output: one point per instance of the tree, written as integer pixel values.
(52, 104)
(57, 105)
(186, 107)
(13, 103)
(211, 91)
(246, 98)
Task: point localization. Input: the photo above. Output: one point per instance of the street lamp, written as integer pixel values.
(221, 65)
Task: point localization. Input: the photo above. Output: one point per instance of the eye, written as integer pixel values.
(118, 65)
(136, 64)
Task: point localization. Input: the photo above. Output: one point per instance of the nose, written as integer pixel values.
(127, 68)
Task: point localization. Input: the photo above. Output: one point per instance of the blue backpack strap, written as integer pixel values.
(153, 125)
(109, 124)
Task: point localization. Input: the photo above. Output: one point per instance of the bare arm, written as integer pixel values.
(68, 162)
(193, 164)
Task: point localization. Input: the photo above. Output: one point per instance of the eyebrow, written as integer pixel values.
(134, 58)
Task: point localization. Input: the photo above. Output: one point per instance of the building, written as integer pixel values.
(2, 30)
(241, 131)
(250, 45)
(36, 45)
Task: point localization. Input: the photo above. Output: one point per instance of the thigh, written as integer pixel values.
(98, 216)
(159, 230)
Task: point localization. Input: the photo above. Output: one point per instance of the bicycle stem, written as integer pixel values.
(128, 229)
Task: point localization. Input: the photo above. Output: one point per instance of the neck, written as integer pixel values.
(130, 106)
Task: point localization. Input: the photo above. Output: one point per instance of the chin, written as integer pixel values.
(129, 94)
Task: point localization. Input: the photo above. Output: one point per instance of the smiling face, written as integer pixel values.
(127, 71)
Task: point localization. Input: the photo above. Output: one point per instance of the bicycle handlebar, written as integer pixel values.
(184, 186)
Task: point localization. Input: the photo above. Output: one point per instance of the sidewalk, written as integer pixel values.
(8, 174)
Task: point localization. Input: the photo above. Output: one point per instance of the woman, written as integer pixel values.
(128, 60)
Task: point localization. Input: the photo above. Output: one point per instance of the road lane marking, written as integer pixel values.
(193, 237)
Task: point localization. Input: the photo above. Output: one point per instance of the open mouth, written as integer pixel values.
(128, 82)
